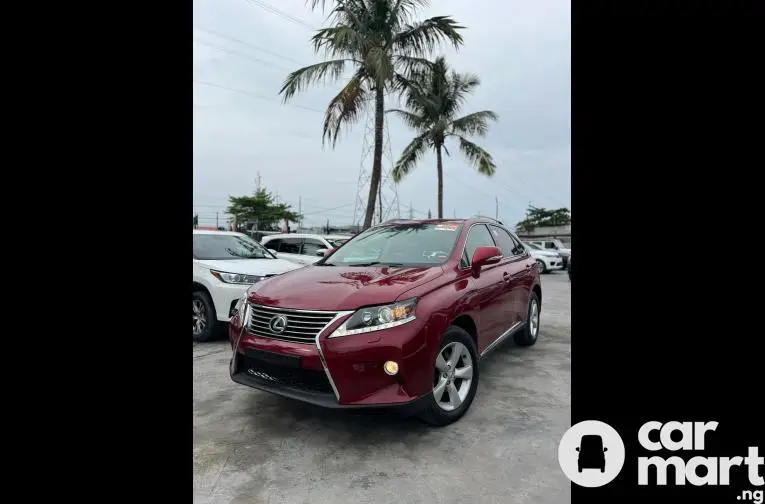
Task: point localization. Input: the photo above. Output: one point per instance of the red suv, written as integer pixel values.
(398, 316)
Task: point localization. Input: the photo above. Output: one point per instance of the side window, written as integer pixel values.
(478, 236)
(273, 244)
(311, 245)
(505, 242)
(508, 242)
(290, 246)
(549, 245)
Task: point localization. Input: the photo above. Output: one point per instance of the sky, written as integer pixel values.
(244, 49)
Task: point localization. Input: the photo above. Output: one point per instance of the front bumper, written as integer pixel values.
(224, 297)
(344, 372)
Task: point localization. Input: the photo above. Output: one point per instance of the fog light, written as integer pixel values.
(390, 367)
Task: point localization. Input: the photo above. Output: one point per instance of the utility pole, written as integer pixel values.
(429, 217)
(216, 220)
(411, 212)
(454, 213)
(257, 183)
(496, 208)
(300, 211)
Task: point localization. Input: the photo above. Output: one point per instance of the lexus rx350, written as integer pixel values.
(398, 316)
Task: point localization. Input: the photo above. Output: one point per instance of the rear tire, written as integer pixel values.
(450, 376)
(205, 318)
(528, 335)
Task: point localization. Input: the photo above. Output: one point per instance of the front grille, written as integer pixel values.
(302, 326)
(305, 380)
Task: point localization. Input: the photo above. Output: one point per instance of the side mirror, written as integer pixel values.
(326, 252)
(484, 256)
(605, 449)
(321, 252)
(577, 448)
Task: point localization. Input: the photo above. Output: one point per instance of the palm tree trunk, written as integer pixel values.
(374, 182)
(440, 165)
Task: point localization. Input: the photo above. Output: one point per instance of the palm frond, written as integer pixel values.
(476, 123)
(404, 10)
(344, 109)
(478, 157)
(301, 78)
(377, 63)
(414, 121)
(410, 157)
(342, 40)
(421, 38)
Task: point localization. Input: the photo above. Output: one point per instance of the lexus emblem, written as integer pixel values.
(278, 324)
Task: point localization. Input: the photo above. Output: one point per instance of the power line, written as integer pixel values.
(280, 13)
(241, 55)
(252, 95)
(252, 46)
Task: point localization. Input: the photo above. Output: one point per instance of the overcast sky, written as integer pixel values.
(243, 50)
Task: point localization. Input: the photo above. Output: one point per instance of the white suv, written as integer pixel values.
(302, 248)
(225, 265)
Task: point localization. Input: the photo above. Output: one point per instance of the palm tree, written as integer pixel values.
(434, 97)
(381, 42)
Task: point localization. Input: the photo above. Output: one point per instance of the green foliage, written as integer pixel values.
(542, 217)
(261, 207)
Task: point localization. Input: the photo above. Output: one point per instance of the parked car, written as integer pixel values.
(225, 265)
(555, 245)
(302, 248)
(569, 268)
(399, 316)
(547, 260)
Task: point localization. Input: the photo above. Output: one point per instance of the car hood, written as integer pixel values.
(340, 288)
(259, 267)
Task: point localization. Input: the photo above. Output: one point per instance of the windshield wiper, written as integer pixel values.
(376, 263)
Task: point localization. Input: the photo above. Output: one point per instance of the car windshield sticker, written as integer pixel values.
(447, 226)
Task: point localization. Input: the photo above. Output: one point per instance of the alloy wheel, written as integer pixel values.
(534, 318)
(200, 316)
(453, 376)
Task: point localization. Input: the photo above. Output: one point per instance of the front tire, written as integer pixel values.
(528, 335)
(542, 266)
(455, 378)
(204, 318)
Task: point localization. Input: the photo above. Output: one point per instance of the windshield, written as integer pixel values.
(592, 443)
(220, 247)
(421, 244)
(532, 246)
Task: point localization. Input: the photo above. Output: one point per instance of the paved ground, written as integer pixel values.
(252, 447)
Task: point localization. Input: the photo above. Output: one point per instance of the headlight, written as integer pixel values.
(376, 318)
(236, 278)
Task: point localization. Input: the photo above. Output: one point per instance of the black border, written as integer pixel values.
(103, 130)
(664, 305)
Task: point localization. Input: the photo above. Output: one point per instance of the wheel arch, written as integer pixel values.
(466, 323)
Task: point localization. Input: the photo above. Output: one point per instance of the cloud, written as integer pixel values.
(521, 50)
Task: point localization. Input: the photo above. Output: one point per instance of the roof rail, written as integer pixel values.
(487, 217)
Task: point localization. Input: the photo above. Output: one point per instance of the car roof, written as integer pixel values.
(210, 232)
(469, 221)
(300, 235)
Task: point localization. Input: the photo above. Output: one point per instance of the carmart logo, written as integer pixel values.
(591, 454)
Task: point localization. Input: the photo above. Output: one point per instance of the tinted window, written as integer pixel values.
(290, 245)
(273, 244)
(505, 242)
(416, 244)
(220, 246)
(549, 245)
(479, 236)
(533, 246)
(311, 245)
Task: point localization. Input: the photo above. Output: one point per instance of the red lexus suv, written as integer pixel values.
(398, 316)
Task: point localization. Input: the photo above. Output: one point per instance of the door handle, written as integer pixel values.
(528, 266)
(506, 276)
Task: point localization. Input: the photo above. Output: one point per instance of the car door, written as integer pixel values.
(310, 247)
(486, 290)
(518, 274)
